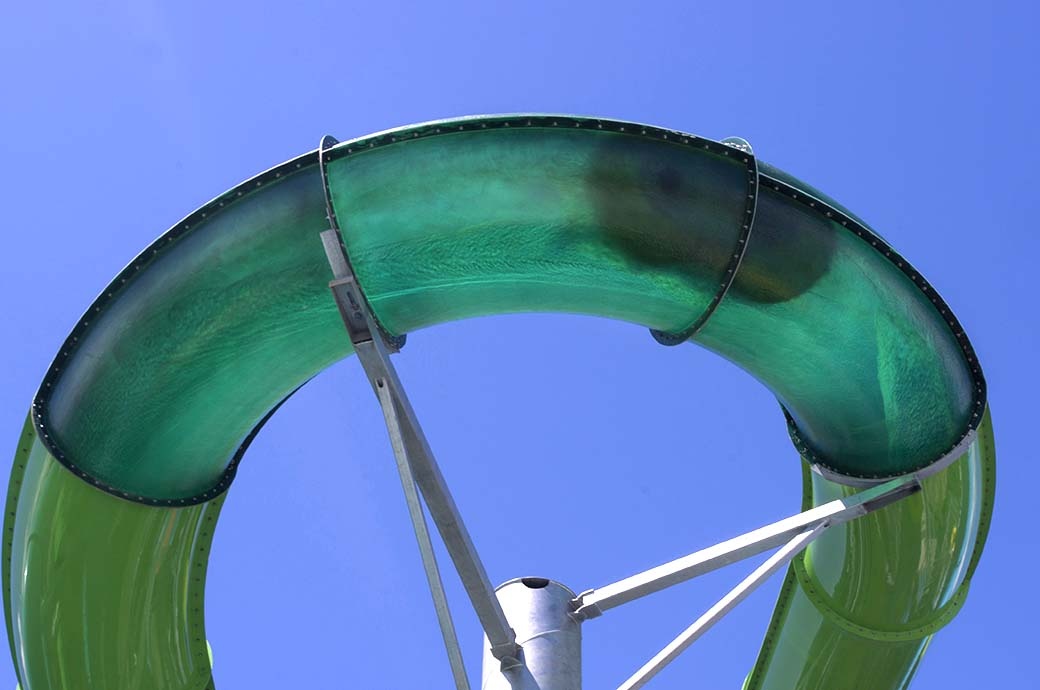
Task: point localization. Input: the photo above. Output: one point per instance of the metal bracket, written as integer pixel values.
(350, 299)
(747, 223)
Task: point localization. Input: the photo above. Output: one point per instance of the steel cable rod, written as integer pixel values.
(422, 536)
(724, 606)
(592, 603)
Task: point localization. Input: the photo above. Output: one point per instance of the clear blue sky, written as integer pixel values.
(601, 451)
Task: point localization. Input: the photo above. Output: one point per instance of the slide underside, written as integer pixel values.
(121, 470)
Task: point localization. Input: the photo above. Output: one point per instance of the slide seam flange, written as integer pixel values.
(747, 223)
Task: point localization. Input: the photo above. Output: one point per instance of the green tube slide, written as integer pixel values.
(140, 423)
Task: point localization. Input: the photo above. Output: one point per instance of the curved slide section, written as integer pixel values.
(124, 465)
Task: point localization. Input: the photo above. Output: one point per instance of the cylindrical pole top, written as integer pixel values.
(539, 610)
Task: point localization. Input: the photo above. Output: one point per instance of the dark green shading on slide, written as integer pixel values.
(214, 324)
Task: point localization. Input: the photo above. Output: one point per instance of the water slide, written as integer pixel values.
(138, 427)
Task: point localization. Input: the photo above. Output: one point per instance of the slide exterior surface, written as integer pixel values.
(138, 428)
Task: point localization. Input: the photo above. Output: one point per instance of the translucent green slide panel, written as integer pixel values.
(871, 373)
(232, 311)
(213, 325)
(148, 406)
(105, 593)
(533, 219)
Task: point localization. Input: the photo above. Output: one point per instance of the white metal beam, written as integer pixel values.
(724, 606)
(594, 602)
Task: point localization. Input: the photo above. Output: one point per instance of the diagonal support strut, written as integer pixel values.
(422, 536)
(726, 604)
(594, 602)
(792, 535)
(416, 461)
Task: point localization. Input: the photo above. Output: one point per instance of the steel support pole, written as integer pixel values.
(540, 611)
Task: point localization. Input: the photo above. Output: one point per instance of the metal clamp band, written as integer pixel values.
(927, 626)
(747, 223)
(348, 292)
(819, 465)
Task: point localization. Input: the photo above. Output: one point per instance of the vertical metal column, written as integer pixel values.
(540, 611)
